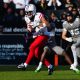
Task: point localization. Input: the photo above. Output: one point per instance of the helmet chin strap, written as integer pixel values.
(30, 16)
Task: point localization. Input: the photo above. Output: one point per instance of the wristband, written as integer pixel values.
(69, 39)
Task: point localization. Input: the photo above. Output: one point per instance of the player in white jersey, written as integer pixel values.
(37, 21)
(72, 26)
(34, 20)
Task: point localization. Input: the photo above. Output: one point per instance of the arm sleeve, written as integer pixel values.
(49, 3)
(64, 29)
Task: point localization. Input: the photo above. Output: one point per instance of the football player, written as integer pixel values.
(72, 25)
(39, 23)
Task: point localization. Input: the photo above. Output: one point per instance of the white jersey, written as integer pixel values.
(37, 19)
(36, 22)
(73, 28)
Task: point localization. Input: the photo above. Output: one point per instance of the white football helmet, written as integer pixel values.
(30, 10)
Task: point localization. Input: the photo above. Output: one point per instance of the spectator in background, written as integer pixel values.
(78, 10)
(63, 16)
(52, 18)
(27, 2)
(69, 9)
(12, 5)
(19, 19)
(6, 1)
(21, 22)
(5, 7)
(1, 13)
(8, 18)
(68, 3)
(75, 12)
(19, 5)
(42, 6)
(54, 5)
(19, 11)
(78, 2)
(22, 13)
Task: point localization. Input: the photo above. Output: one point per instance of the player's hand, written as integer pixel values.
(29, 27)
(69, 39)
(34, 37)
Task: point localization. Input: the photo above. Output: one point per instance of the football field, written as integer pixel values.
(60, 73)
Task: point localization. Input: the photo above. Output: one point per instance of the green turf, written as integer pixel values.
(60, 73)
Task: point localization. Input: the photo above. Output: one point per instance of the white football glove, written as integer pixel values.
(69, 39)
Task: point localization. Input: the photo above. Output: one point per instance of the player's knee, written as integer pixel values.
(63, 53)
(36, 55)
(32, 46)
(73, 47)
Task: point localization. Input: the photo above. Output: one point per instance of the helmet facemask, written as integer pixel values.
(29, 14)
(30, 10)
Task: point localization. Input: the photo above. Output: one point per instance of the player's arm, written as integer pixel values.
(64, 34)
(69, 39)
(29, 24)
(45, 22)
(41, 24)
(30, 27)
